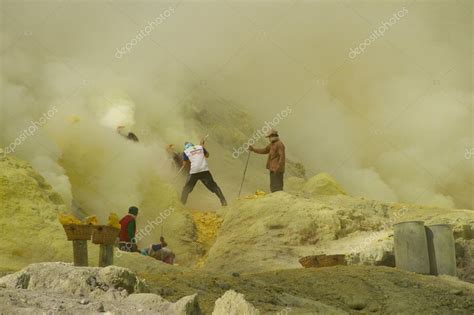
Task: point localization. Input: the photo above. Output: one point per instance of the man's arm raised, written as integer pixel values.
(265, 150)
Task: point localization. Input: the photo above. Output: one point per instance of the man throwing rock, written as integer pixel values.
(196, 156)
(275, 161)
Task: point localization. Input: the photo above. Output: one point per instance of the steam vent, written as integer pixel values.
(188, 157)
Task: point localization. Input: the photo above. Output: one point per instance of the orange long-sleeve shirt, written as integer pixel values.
(276, 156)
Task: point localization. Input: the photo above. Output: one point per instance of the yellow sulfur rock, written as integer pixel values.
(92, 220)
(258, 194)
(113, 220)
(67, 219)
(323, 185)
(207, 226)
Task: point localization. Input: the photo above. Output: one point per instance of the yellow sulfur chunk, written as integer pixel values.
(67, 219)
(258, 194)
(92, 220)
(114, 221)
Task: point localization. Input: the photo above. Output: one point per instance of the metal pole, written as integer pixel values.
(245, 172)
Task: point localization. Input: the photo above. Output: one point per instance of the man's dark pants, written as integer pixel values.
(276, 181)
(207, 180)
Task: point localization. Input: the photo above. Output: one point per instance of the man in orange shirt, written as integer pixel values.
(275, 161)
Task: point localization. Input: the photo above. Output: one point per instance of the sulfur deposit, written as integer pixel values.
(323, 184)
(263, 236)
(31, 230)
(207, 226)
(273, 231)
(28, 220)
(66, 219)
(113, 221)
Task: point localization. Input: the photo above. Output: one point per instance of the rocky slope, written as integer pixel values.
(56, 288)
(268, 232)
(28, 219)
(252, 247)
(60, 288)
(334, 290)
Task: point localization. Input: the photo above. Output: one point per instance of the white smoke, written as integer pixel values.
(390, 125)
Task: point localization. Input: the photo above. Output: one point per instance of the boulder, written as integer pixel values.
(323, 184)
(233, 303)
(86, 290)
(153, 303)
(187, 305)
(117, 277)
(145, 300)
(66, 278)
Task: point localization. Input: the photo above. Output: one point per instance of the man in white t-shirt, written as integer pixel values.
(199, 170)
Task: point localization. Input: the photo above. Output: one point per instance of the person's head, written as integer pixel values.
(156, 247)
(187, 145)
(133, 210)
(272, 135)
(132, 136)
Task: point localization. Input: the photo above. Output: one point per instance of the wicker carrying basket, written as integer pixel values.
(78, 232)
(104, 234)
(322, 261)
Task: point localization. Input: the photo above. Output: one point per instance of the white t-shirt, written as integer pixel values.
(196, 155)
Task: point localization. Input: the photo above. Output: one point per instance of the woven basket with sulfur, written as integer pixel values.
(78, 232)
(104, 234)
(322, 261)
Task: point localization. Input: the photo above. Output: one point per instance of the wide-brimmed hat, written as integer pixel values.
(272, 132)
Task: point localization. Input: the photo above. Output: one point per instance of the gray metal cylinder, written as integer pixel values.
(441, 249)
(411, 247)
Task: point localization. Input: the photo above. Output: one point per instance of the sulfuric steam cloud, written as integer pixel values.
(392, 124)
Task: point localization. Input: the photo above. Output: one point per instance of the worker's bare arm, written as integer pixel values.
(203, 140)
(206, 153)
